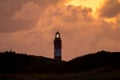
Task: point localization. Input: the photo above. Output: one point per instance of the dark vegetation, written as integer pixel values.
(102, 65)
(11, 62)
(102, 59)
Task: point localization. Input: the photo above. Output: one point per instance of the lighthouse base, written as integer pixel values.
(57, 58)
(57, 54)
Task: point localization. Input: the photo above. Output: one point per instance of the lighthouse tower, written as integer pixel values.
(57, 46)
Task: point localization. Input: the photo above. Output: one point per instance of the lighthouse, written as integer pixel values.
(57, 46)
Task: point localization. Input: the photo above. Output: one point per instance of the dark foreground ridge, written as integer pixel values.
(107, 61)
(11, 62)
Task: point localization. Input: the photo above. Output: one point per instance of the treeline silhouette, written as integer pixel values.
(12, 62)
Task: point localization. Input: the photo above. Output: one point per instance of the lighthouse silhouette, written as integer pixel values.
(57, 47)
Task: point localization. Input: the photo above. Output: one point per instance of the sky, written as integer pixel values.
(86, 26)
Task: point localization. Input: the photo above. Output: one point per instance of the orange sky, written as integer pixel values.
(86, 26)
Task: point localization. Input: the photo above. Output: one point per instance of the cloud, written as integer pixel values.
(22, 14)
(110, 8)
(30, 27)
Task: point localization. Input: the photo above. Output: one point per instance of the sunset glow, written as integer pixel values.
(85, 26)
(93, 4)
